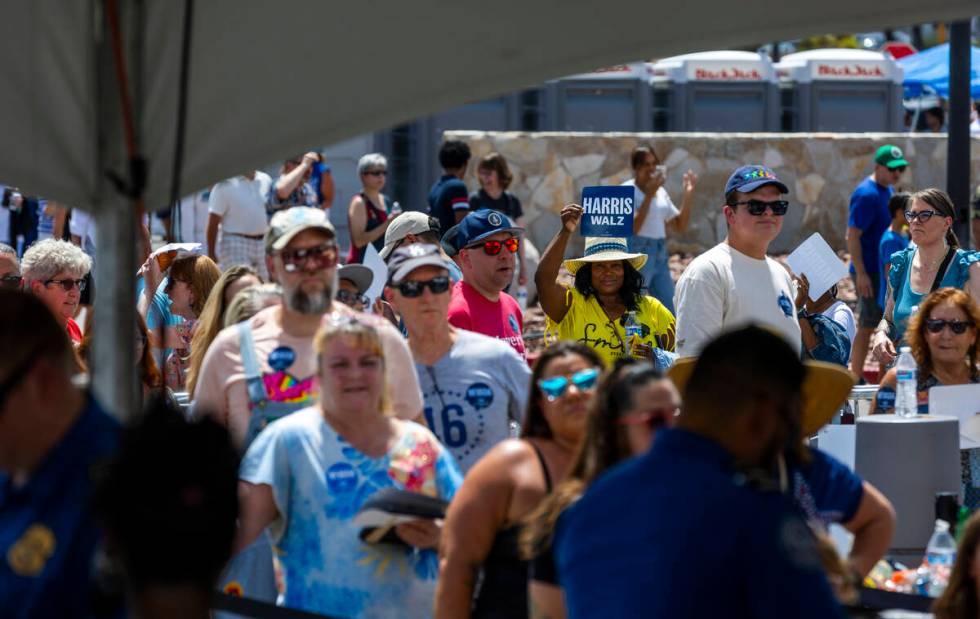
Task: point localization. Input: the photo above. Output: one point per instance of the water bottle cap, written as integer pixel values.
(905, 349)
(942, 525)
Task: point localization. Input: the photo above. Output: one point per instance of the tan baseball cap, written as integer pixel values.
(409, 222)
(287, 223)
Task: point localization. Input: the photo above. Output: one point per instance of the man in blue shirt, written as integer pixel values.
(53, 440)
(867, 220)
(893, 240)
(449, 200)
(694, 528)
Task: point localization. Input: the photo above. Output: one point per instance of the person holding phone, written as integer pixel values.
(654, 215)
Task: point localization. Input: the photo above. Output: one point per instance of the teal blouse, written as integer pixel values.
(906, 298)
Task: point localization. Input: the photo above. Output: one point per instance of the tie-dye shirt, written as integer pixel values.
(319, 482)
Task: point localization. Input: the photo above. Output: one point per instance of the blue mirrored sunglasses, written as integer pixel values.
(556, 386)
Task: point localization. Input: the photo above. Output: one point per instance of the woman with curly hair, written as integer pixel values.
(608, 286)
(945, 339)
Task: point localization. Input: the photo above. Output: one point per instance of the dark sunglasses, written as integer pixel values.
(758, 207)
(377, 172)
(959, 327)
(654, 418)
(898, 169)
(323, 255)
(67, 284)
(492, 248)
(922, 216)
(351, 298)
(11, 282)
(415, 288)
(556, 386)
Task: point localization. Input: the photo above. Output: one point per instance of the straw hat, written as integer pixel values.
(602, 249)
(825, 388)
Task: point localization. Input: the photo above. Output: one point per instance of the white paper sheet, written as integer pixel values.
(815, 259)
(378, 267)
(962, 402)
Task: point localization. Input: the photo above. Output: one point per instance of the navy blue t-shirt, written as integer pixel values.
(869, 214)
(678, 533)
(47, 532)
(826, 490)
(447, 196)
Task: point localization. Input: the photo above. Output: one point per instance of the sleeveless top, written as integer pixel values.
(375, 217)
(905, 298)
(503, 592)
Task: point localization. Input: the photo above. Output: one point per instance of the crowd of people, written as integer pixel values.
(405, 455)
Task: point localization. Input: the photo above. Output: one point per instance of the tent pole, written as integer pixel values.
(958, 128)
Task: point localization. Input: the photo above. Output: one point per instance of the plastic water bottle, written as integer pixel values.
(940, 555)
(633, 327)
(522, 298)
(906, 398)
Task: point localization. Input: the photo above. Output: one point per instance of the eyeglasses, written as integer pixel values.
(351, 298)
(415, 288)
(377, 172)
(556, 386)
(654, 417)
(898, 169)
(758, 207)
(959, 327)
(11, 282)
(492, 248)
(922, 216)
(324, 256)
(67, 284)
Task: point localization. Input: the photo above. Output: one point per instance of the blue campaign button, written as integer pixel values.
(341, 478)
(281, 358)
(479, 395)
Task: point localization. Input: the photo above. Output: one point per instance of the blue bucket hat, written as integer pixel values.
(750, 177)
(478, 225)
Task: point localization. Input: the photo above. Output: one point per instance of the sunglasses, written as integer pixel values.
(959, 327)
(324, 256)
(351, 298)
(67, 284)
(758, 207)
(492, 248)
(922, 216)
(377, 172)
(898, 169)
(415, 288)
(556, 386)
(11, 282)
(655, 417)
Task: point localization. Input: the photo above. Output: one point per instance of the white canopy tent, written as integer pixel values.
(267, 80)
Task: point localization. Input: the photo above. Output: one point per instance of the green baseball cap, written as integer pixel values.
(890, 156)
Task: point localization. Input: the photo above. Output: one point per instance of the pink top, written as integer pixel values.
(501, 319)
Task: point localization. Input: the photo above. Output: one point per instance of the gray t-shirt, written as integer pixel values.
(472, 393)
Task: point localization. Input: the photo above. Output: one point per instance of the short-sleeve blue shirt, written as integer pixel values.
(448, 195)
(47, 532)
(891, 242)
(868, 213)
(826, 490)
(678, 533)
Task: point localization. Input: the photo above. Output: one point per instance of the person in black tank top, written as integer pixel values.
(370, 211)
(635, 399)
(479, 539)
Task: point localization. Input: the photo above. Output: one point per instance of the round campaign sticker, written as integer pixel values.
(281, 358)
(494, 219)
(479, 395)
(341, 478)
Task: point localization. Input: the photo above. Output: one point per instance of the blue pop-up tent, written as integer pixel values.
(931, 68)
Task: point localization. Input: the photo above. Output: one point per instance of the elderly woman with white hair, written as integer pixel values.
(370, 211)
(55, 271)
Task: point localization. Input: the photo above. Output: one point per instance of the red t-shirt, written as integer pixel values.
(501, 319)
(74, 332)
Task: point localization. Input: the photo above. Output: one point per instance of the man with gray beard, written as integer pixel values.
(264, 368)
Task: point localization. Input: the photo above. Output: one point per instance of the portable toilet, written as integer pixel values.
(612, 99)
(840, 90)
(715, 91)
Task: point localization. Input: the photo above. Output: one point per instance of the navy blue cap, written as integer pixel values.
(478, 225)
(748, 178)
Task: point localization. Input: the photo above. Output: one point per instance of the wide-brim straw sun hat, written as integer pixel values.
(825, 389)
(602, 249)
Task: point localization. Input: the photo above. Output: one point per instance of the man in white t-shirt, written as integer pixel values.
(237, 207)
(735, 283)
(655, 214)
(265, 368)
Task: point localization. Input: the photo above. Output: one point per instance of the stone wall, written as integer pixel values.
(820, 169)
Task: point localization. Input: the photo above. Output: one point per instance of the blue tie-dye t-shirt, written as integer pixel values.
(319, 482)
